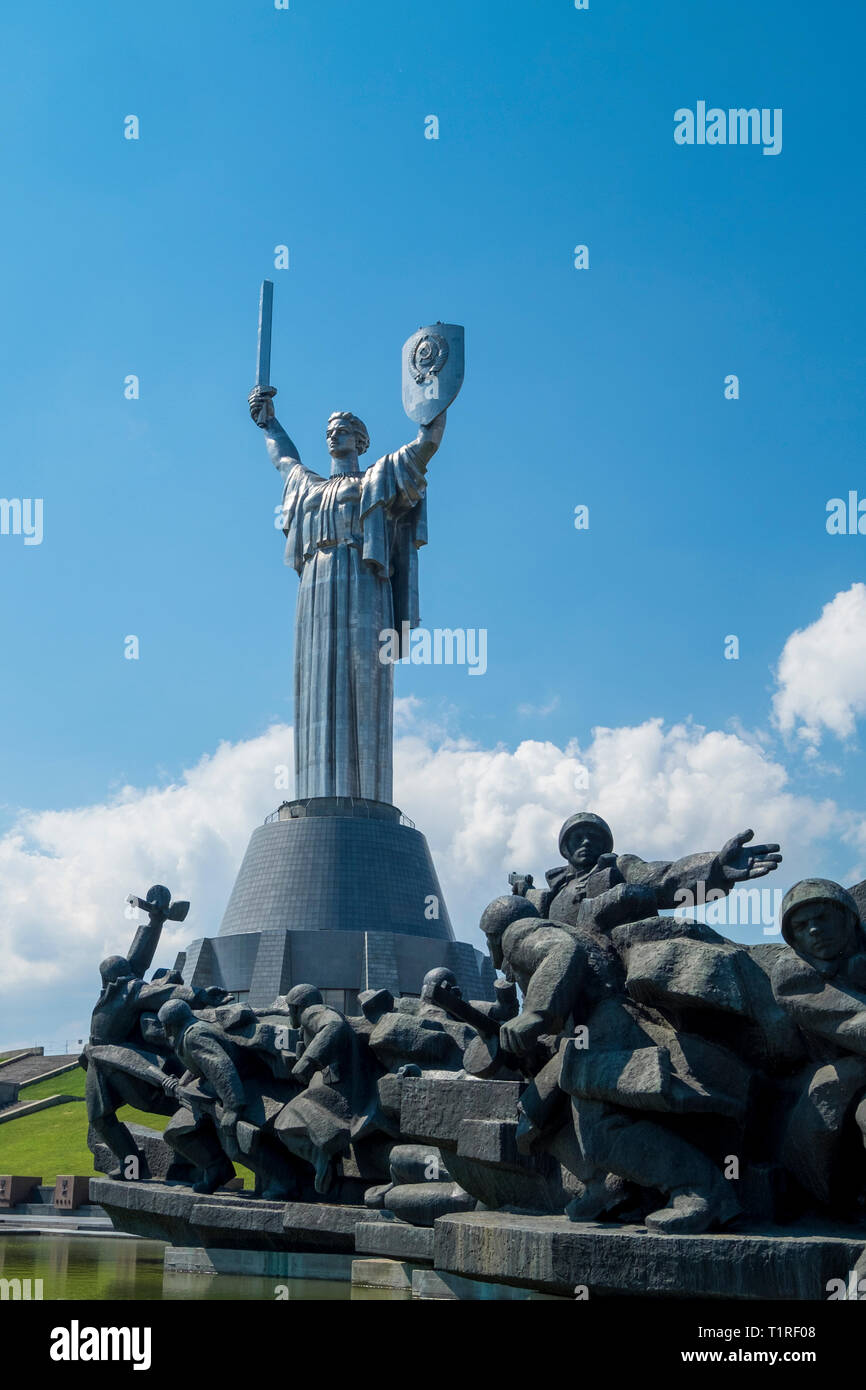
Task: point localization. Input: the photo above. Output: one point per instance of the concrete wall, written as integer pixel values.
(261, 965)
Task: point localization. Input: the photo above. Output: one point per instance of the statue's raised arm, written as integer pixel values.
(283, 450)
(429, 437)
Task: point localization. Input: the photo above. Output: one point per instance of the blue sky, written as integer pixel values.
(604, 387)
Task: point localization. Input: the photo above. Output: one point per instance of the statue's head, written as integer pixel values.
(583, 839)
(440, 976)
(114, 968)
(498, 916)
(820, 920)
(299, 998)
(175, 1017)
(347, 437)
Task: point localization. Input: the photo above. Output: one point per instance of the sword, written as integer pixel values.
(266, 309)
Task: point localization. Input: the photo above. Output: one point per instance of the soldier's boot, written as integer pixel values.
(602, 1196)
(119, 1140)
(217, 1175)
(653, 1157)
(691, 1211)
(275, 1172)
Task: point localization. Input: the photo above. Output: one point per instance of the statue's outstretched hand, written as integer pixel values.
(262, 405)
(739, 863)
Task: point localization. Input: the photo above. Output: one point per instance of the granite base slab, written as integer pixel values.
(177, 1215)
(395, 1240)
(555, 1256)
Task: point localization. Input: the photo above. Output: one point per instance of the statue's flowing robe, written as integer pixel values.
(354, 540)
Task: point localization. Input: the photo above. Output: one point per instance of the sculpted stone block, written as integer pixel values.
(492, 1141)
(435, 1109)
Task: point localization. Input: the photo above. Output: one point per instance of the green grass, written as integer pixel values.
(71, 1083)
(50, 1142)
(55, 1141)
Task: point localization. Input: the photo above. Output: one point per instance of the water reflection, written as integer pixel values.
(105, 1268)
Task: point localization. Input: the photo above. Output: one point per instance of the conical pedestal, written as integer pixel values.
(339, 893)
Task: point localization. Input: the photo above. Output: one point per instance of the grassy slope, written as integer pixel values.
(71, 1083)
(55, 1141)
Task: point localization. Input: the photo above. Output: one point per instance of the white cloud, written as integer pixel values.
(665, 791)
(822, 672)
(64, 875)
(530, 711)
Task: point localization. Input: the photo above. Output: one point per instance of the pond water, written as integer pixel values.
(106, 1268)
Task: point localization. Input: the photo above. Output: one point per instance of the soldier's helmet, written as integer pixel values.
(159, 896)
(114, 968)
(175, 1015)
(581, 818)
(503, 912)
(301, 997)
(441, 975)
(815, 890)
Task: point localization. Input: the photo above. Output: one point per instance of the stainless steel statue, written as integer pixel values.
(353, 538)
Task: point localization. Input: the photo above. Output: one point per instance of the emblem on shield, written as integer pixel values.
(432, 371)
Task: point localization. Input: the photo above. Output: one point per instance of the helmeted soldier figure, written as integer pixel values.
(123, 1027)
(820, 981)
(339, 1103)
(592, 868)
(229, 1101)
(635, 1070)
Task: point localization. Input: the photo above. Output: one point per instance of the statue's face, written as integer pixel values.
(341, 440)
(299, 998)
(494, 946)
(821, 930)
(586, 844)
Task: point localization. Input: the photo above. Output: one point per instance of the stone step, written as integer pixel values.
(32, 1068)
(48, 1210)
(32, 1107)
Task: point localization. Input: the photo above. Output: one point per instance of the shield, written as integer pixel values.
(432, 371)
